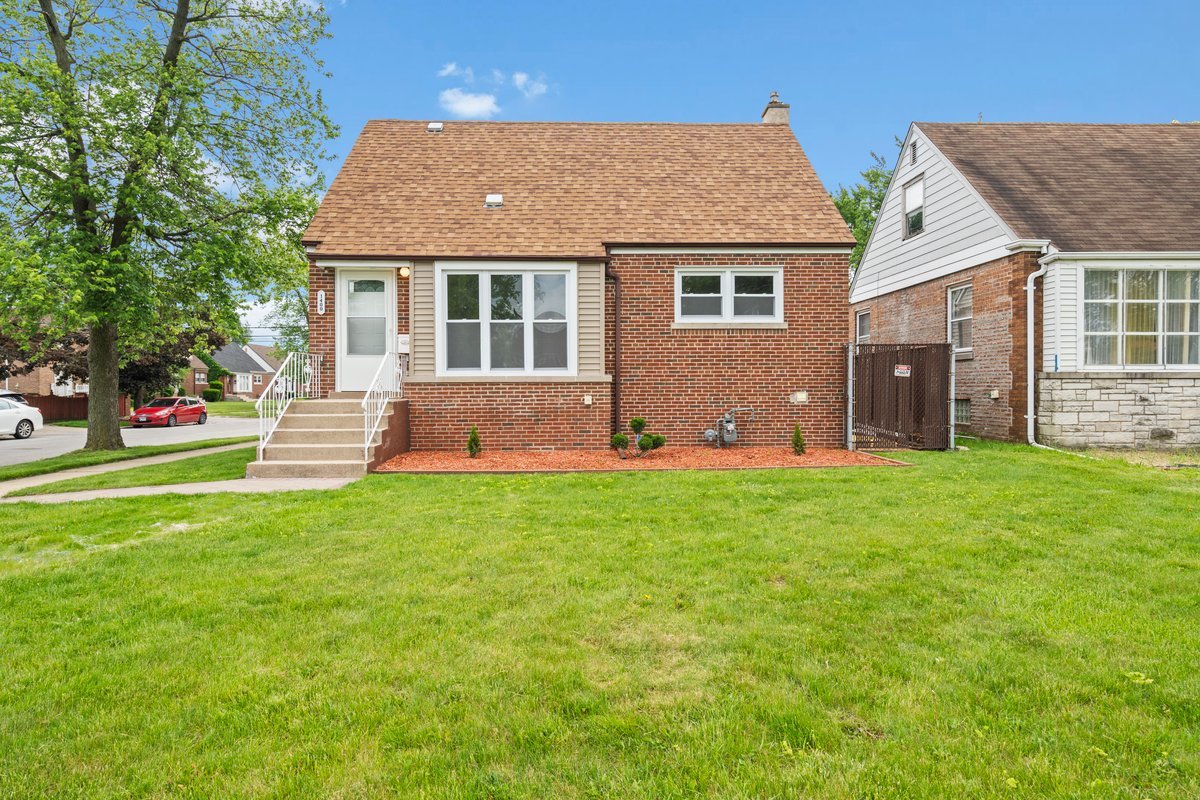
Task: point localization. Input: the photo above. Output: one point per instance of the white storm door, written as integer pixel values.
(366, 312)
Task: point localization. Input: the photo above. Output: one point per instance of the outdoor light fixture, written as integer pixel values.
(405, 272)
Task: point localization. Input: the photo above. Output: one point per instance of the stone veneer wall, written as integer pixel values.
(1144, 410)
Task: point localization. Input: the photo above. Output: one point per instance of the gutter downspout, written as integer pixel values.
(1030, 349)
(615, 423)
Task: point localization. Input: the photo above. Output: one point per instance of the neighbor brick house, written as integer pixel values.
(250, 371)
(549, 281)
(1096, 228)
(195, 376)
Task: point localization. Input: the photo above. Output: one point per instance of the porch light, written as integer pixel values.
(405, 272)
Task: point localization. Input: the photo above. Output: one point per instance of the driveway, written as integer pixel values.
(53, 440)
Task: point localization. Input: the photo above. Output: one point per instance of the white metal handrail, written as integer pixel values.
(387, 384)
(299, 376)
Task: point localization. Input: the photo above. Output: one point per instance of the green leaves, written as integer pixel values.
(860, 203)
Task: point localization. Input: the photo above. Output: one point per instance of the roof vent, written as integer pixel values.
(493, 201)
(434, 127)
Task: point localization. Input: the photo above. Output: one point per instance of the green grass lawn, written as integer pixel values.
(996, 623)
(88, 458)
(231, 408)
(81, 423)
(212, 467)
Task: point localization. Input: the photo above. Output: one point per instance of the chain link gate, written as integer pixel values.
(900, 395)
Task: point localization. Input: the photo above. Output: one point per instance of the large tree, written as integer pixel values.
(151, 152)
(861, 202)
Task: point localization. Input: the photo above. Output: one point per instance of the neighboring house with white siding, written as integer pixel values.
(1095, 228)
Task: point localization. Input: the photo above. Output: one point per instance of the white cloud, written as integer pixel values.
(532, 88)
(451, 69)
(469, 105)
(499, 78)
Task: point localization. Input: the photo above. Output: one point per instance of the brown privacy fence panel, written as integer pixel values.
(901, 395)
(60, 409)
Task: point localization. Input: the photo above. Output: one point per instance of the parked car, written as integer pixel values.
(18, 419)
(170, 411)
(17, 397)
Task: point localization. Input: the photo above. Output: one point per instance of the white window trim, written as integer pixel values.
(904, 210)
(201, 377)
(444, 268)
(951, 319)
(726, 318)
(1081, 328)
(258, 379)
(858, 337)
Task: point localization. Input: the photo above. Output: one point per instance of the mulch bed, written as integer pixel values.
(669, 458)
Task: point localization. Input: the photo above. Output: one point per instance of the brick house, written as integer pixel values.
(1069, 252)
(549, 281)
(250, 370)
(195, 377)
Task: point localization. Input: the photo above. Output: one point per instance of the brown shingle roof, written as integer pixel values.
(569, 188)
(1085, 187)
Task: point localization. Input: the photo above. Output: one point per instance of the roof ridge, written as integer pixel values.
(973, 124)
(578, 122)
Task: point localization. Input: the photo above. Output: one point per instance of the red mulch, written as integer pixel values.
(669, 458)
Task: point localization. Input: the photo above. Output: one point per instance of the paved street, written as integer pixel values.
(53, 440)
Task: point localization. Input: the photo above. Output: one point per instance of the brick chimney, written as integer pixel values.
(776, 113)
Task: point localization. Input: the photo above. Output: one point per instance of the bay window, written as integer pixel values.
(728, 295)
(506, 321)
(1141, 317)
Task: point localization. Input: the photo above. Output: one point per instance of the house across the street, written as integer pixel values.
(251, 370)
(549, 281)
(1096, 228)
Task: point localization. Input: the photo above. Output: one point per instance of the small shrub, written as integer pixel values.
(637, 425)
(798, 440)
(657, 440)
(211, 395)
(474, 446)
(620, 441)
(645, 443)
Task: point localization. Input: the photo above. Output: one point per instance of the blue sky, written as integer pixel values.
(855, 73)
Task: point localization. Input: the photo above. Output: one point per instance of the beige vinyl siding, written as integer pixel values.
(1060, 317)
(960, 231)
(421, 310)
(590, 299)
(590, 288)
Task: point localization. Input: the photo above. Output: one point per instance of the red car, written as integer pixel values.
(170, 411)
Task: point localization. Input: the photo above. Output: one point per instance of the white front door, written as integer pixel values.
(366, 325)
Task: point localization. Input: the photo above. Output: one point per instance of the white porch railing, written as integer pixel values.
(387, 384)
(298, 377)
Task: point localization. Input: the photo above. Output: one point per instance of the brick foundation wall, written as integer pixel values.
(510, 415)
(1142, 410)
(682, 380)
(918, 314)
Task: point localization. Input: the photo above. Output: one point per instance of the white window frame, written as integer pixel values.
(242, 385)
(1161, 333)
(858, 335)
(527, 269)
(727, 275)
(258, 379)
(951, 319)
(905, 210)
(201, 377)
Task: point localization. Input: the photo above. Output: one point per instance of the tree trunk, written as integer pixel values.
(104, 418)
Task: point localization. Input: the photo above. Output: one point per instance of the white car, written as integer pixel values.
(18, 419)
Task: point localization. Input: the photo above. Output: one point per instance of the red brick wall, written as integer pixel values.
(322, 327)
(681, 381)
(918, 314)
(510, 416)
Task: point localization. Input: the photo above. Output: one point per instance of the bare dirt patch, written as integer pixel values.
(671, 458)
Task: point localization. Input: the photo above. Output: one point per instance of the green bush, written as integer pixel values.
(645, 442)
(657, 440)
(798, 440)
(637, 425)
(620, 441)
(474, 446)
(211, 395)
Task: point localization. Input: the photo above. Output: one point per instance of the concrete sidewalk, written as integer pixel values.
(243, 485)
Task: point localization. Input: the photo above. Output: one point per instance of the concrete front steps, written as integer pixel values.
(318, 439)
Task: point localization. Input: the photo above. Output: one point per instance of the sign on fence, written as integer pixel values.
(904, 370)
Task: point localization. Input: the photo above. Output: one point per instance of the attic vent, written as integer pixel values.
(912, 153)
(434, 127)
(493, 201)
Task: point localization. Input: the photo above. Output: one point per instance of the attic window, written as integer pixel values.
(493, 201)
(912, 153)
(434, 127)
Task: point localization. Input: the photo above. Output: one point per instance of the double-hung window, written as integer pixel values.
(914, 207)
(728, 295)
(960, 314)
(1141, 317)
(507, 321)
(862, 327)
